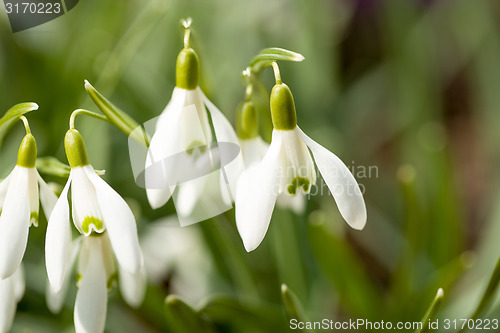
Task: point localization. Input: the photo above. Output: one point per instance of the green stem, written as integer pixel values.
(26, 124)
(277, 74)
(432, 311)
(187, 33)
(87, 113)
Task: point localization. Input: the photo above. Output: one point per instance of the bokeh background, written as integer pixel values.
(409, 88)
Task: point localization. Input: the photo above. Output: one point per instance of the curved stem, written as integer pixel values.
(87, 113)
(187, 33)
(26, 124)
(277, 75)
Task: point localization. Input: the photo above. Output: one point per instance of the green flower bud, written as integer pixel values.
(76, 151)
(187, 70)
(283, 108)
(247, 122)
(27, 152)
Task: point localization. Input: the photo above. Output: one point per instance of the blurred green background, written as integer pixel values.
(410, 88)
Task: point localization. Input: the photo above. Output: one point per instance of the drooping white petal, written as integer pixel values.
(256, 196)
(341, 183)
(92, 296)
(58, 241)
(188, 195)
(224, 132)
(253, 150)
(164, 144)
(87, 216)
(119, 222)
(33, 195)
(133, 286)
(297, 203)
(55, 299)
(4, 185)
(47, 197)
(7, 304)
(14, 223)
(19, 283)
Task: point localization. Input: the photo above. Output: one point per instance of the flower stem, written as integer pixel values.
(26, 124)
(87, 113)
(277, 75)
(187, 33)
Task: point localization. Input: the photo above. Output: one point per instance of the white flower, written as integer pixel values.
(11, 292)
(182, 151)
(288, 167)
(19, 206)
(96, 208)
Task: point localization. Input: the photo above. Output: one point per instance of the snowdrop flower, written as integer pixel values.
(11, 292)
(19, 205)
(253, 150)
(108, 226)
(288, 166)
(183, 130)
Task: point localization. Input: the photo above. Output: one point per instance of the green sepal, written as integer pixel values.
(187, 69)
(247, 121)
(13, 114)
(267, 56)
(117, 117)
(76, 151)
(52, 166)
(26, 157)
(283, 112)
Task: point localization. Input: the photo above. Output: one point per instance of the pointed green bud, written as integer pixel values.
(27, 152)
(76, 151)
(247, 122)
(187, 70)
(283, 108)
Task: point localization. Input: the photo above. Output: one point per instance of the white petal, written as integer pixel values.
(256, 196)
(33, 194)
(7, 304)
(341, 183)
(47, 197)
(119, 222)
(55, 299)
(297, 203)
(133, 286)
(188, 194)
(14, 223)
(253, 150)
(87, 216)
(4, 185)
(19, 284)
(224, 132)
(58, 241)
(164, 144)
(92, 296)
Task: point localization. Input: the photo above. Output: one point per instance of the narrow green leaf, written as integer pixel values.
(432, 311)
(239, 313)
(343, 267)
(267, 56)
(53, 167)
(182, 318)
(13, 114)
(293, 307)
(117, 117)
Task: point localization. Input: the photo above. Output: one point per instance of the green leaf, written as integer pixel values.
(343, 267)
(293, 307)
(53, 167)
(117, 117)
(432, 311)
(182, 318)
(268, 56)
(13, 114)
(228, 310)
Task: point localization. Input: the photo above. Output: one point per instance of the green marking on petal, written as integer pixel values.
(91, 220)
(297, 183)
(34, 218)
(78, 278)
(196, 145)
(112, 280)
